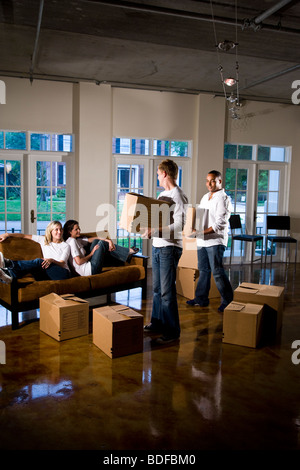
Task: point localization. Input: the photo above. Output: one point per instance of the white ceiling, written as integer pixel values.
(155, 44)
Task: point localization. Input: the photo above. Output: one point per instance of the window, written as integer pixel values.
(13, 140)
(17, 140)
(159, 148)
(125, 146)
(10, 196)
(271, 154)
(51, 142)
(170, 148)
(136, 163)
(50, 193)
(237, 152)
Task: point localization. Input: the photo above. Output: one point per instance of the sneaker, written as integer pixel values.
(150, 327)
(166, 340)
(5, 276)
(195, 303)
(222, 308)
(4, 262)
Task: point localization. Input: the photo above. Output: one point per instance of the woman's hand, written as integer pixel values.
(96, 247)
(110, 245)
(47, 262)
(4, 237)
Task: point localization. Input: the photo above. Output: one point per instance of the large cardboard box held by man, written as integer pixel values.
(272, 297)
(140, 212)
(64, 317)
(242, 324)
(117, 330)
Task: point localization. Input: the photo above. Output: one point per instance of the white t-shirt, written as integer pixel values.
(57, 251)
(77, 249)
(179, 200)
(215, 213)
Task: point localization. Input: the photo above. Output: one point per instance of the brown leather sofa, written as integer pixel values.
(24, 294)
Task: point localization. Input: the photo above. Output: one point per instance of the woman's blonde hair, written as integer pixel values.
(49, 228)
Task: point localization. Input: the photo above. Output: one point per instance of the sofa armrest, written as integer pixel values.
(139, 259)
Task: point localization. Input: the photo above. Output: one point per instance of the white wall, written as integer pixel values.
(93, 152)
(41, 106)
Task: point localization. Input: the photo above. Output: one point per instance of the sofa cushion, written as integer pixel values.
(37, 289)
(20, 248)
(117, 276)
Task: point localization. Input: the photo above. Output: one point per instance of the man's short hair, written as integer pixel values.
(216, 173)
(170, 167)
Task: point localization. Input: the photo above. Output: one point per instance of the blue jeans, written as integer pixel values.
(165, 308)
(34, 267)
(210, 260)
(103, 256)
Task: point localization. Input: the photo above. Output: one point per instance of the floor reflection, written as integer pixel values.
(198, 394)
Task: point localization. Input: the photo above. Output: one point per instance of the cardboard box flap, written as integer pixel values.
(115, 313)
(148, 201)
(128, 312)
(260, 289)
(235, 306)
(65, 300)
(248, 288)
(74, 298)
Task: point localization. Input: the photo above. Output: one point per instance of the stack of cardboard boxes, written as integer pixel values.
(187, 271)
(255, 316)
(117, 329)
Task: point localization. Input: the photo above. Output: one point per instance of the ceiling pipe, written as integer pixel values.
(190, 15)
(36, 40)
(271, 77)
(260, 18)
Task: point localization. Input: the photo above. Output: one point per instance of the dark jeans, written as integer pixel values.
(103, 256)
(165, 308)
(210, 260)
(34, 267)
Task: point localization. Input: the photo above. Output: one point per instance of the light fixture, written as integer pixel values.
(226, 45)
(232, 80)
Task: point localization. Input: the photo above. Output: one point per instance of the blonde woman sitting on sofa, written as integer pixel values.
(53, 265)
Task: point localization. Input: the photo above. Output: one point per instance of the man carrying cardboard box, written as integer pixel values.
(211, 241)
(166, 252)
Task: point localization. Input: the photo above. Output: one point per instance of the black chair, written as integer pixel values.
(235, 223)
(282, 223)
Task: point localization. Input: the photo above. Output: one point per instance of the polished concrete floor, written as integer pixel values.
(199, 394)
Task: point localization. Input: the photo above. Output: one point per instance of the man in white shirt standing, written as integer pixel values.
(211, 243)
(166, 252)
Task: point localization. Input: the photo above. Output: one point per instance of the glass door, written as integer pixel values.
(11, 193)
(49, 191)
(270, 199)
(240, 186)
(131, 177)
(256, 190)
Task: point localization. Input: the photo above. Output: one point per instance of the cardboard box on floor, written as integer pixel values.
(272, 297)
(64, 317)
(117, 330)
(242, 324)
(141, 212)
